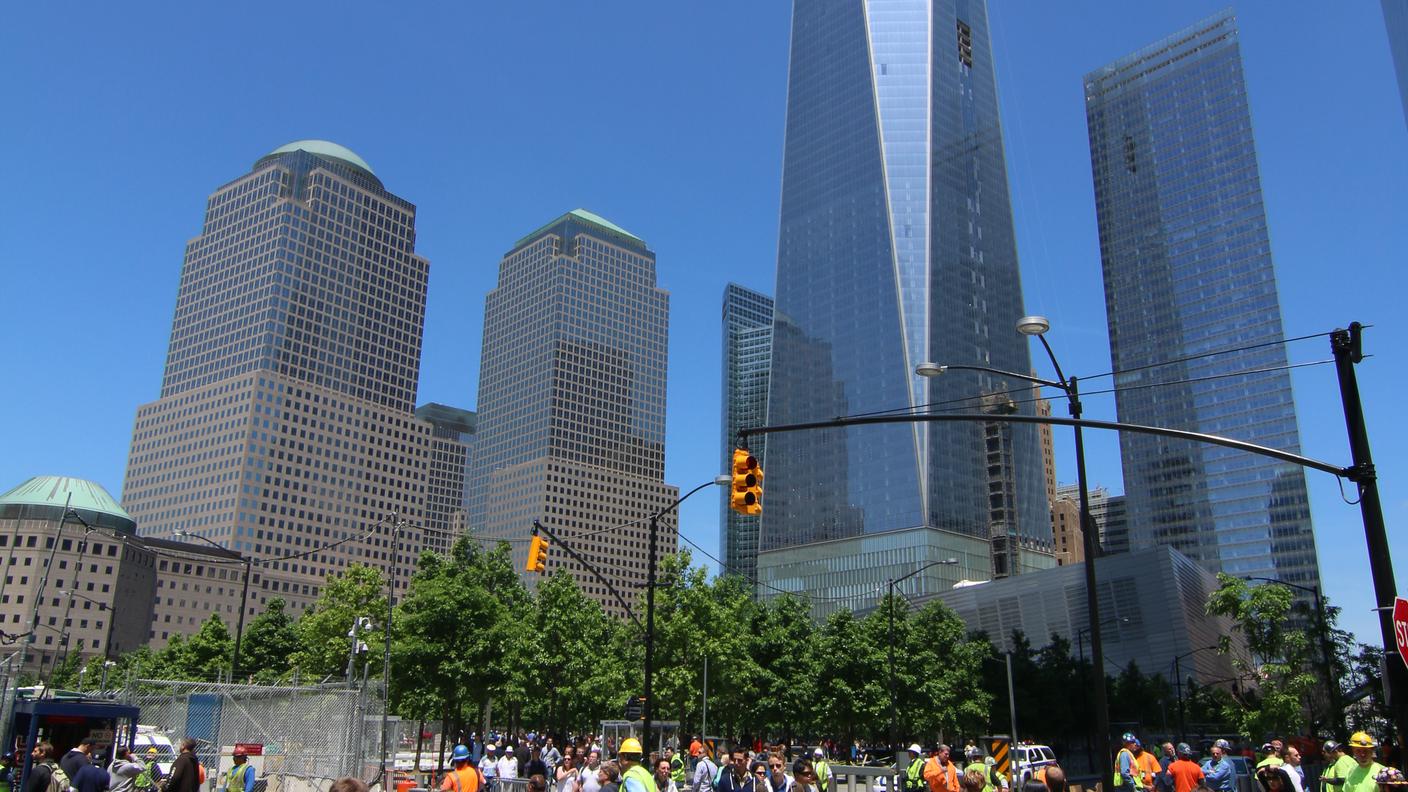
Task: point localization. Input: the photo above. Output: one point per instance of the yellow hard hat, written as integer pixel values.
(630, 745)
(1362, 740)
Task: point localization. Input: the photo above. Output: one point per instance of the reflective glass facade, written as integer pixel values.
(1396, 22)
(1188, 270)
(896, 247)
(747, 348)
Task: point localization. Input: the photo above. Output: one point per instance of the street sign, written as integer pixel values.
(1000, 747)
(249, 749)
(1400, 627)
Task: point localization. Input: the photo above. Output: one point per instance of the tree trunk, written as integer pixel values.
(420, 730)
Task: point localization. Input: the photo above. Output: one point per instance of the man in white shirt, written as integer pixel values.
(1293, 768)
(590, 783)
(704, 772)
(489, 765)
(508, 766)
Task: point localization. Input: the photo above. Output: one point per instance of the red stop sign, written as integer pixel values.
(1400, 627)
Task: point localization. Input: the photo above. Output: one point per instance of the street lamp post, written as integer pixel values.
(1178, 685)
(1332, 687)
(894, 702)
(244, 597)
(1038, 326)
(649, 704)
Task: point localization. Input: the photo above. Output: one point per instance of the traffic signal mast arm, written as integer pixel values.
(538, 526)
(1350, 473)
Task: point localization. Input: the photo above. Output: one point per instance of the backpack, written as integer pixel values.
(58, 779)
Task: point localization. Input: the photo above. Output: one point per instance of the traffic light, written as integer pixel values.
(747, 494)
(537, 555)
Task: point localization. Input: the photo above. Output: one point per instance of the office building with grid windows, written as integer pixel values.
(571, 409)
(285, 428)
(896, 247)
(446, 491)
(747, 352)
(1188, 272)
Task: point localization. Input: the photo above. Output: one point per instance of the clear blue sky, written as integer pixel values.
(667, 118)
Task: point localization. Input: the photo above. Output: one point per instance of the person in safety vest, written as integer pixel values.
(676, 767)
(1272, 754)
(914, 774)
(974, 755)
(940, 773)
(1149, 767)
(463, 776)
(1337, 765)
(1217, 771)
(240, 778)
(822, 769)
(1364, 776)
(634, 778)
(1126, 767)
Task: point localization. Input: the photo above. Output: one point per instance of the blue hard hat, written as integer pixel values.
(460, 754)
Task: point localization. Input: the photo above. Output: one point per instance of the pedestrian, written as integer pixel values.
(1148, 765)
(508, 765)
(1054, 778)
(914, 772)
(1291, 755)
(664, 775)
(240, 777)
(677, 771)
(124, 771)
(8, 762)
(76, 757)
(737, 774)
(463, 775)
(589, 782)
(551, 757)
(1364, 776)
(705, 771)
(940, 773)
(804, 776)
(567, 775)
(1218, 770)
(634, 777)
(1271, 754)
(822, 768)
(1163, 782)
(1185, 773)
(348, 784)
(973, 780)
(1126, 769)
(609, 776)
(777, 778)
(535, 764)
(185, 771)
(45, 775)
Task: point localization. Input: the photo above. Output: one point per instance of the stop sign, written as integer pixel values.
(1400, 626)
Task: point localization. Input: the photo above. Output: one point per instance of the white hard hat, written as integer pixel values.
(508, 749)
(915, 749)
(818, 752)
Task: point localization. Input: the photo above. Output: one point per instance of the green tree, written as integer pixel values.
(202, 657)
(268, 645)
(323, 645)
(1275, 677)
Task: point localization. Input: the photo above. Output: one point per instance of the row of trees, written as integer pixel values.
(470, 640)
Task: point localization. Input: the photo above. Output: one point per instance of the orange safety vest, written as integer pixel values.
(462, 779)
(1149, 767)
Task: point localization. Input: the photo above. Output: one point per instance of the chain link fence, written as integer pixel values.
(310, 734)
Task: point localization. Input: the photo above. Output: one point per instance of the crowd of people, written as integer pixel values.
(82, 769)
(1280, 768)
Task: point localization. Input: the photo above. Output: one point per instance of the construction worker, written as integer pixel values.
(822, 769)
(240, 778)
(941, 774)
(1364, 776)
(914, 774)
(148, 778)
(1218, 772)
(634, 778)
(1271, 754)
(676, 767)
(974, 755)
(1337, 765)
(1126, 767)
(463, 775)
(1148, 766)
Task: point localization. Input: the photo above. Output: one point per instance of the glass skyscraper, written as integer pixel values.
(285, 422)
(896, 247)
(747, 350)
(447, 488)
(1188, 273)
(571, 405)
(1396, 23)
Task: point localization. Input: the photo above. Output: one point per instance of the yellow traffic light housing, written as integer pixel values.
(746, 495)
(537, 555)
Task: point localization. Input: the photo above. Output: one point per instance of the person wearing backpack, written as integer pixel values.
(45, 775)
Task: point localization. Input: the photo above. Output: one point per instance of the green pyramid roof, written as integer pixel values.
(55, 491)
(590, 218)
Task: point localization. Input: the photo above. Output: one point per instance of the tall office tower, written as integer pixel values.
(447, 491)
(1188, 273)
(1396, 22)
(572, 403)
(1048, 452)
(747, 345)
(286, 422)
(1107, 513)
(896, 247)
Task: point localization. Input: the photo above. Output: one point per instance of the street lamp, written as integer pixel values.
(894, 705)
(1178, 684)
(1038, 326)
(244, 597)
(649, 704)
(1331, 684)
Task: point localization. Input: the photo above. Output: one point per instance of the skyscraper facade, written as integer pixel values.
(285, 428)
(1193, 312)
(1396, 23)
(447, 490)
(747, 349)
(572, 403)
(896, 247)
